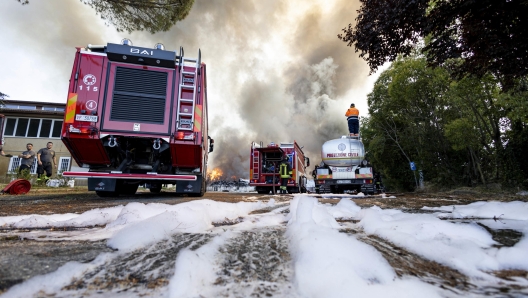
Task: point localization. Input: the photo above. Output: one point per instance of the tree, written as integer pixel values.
(476, 102)
(138, 15)
(489, 36)
(458, 132)
(3, 96)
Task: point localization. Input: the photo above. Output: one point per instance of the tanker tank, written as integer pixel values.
(344, 152)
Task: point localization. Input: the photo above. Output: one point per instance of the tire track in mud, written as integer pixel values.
(256, 264)
(21, 260)
(406, 263)
(142, 272)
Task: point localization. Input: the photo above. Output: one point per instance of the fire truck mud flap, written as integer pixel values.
(101, 184)
(190, 187)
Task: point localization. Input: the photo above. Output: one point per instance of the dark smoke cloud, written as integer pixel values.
(274, 74)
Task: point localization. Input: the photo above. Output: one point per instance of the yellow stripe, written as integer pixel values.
(70, 108)
(198, 111)
(198, 118)
(197, 126)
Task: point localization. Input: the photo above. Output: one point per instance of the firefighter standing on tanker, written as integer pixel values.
(352, 115)
(285, 174)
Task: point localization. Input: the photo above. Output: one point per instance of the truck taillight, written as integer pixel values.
(184, 136)
(79, 130)
(368, 181)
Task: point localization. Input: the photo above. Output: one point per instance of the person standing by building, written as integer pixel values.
(352, 115)
(45, 158)
(2, 150)
(27, 158)
(285, 174)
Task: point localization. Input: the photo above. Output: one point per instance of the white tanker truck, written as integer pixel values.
(344, 168)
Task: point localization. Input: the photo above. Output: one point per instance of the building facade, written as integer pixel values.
(31, 122)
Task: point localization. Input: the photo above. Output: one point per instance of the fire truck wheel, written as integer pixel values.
(107, 194)
(155, 189)
(128, 189)
(202, 191)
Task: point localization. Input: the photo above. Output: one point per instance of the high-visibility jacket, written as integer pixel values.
(284, 170)
(352, 113)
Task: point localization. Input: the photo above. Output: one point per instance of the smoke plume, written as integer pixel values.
(276, 71)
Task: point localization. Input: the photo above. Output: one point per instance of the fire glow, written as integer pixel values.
(214, 174)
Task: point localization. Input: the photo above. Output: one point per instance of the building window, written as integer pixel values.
(31, 128)
(14, 164)
(53, 109)
(19, 107)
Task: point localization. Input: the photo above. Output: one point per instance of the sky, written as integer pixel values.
(324, 261)
(276, 70)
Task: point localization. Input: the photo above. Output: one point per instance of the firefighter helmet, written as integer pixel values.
(352, 105)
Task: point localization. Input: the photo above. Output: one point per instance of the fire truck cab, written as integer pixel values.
(264, 167)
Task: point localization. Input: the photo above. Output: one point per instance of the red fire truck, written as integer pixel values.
(138, 116)
(264, 164)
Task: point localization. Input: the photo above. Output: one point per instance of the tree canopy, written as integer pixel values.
(3, 96)
(463, 132)
(489, 36)
(139, 15)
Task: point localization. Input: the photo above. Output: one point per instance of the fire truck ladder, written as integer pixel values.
(188, 81)
(256, 164)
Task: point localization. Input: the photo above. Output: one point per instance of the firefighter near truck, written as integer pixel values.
(138, 116)
(265, 162)
(344, 168)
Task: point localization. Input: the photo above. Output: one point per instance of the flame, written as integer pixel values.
(214, 174)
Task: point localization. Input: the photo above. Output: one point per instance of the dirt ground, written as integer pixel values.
(78, 200)
(21, 259)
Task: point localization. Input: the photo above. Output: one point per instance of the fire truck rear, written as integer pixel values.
(138, 116)
(264, 164)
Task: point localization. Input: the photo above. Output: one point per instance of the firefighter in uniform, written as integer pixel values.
(285, 174)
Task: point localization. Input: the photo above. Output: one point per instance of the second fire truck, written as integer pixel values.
(264, 164)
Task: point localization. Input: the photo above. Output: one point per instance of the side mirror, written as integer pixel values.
(307, 161)
(211, 144)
